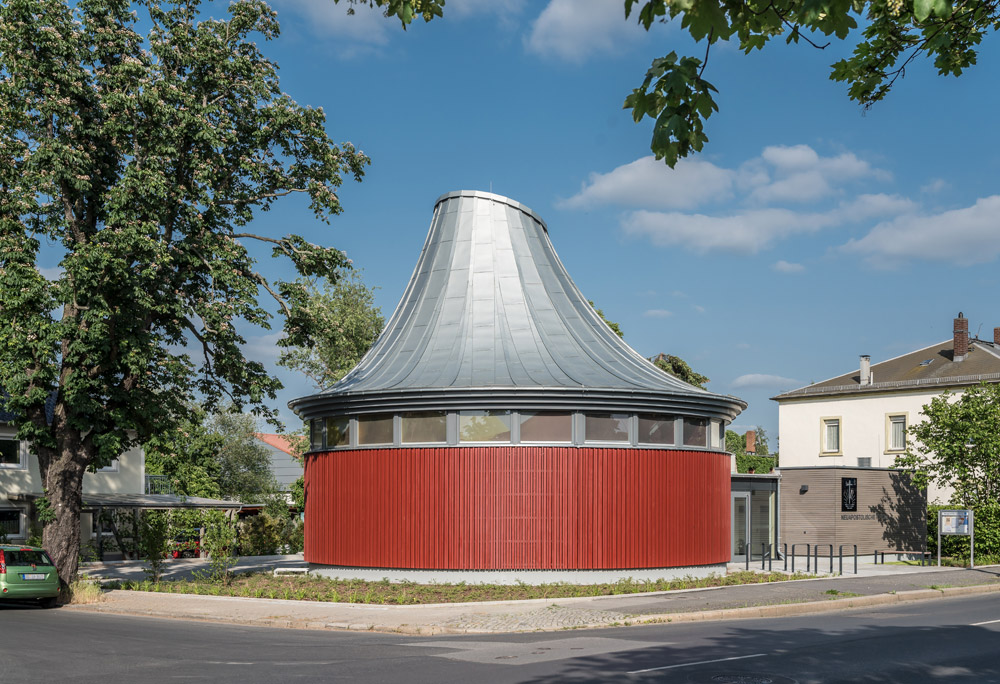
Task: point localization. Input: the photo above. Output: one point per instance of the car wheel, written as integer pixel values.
(188, 554)
(50, 602)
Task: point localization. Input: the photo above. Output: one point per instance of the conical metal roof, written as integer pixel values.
(492, 318)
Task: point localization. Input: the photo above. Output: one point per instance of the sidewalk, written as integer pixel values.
(799, 597)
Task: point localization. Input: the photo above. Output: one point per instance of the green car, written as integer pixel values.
(27, 574)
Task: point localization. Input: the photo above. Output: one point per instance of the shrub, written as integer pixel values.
(154, 541)
(296, 536)
(220, 543)
(263, 535)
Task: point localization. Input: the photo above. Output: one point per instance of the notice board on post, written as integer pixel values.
(957, 523)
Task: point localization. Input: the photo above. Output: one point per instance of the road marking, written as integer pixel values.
(988, 622)
(700, 662)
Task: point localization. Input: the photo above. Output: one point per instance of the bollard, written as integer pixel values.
(786, 556)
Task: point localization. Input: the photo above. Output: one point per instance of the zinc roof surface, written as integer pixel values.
(491, 306)
(930, 366)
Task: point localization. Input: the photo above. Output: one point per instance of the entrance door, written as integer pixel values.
(740, 526)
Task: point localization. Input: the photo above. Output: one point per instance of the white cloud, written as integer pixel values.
(51, 273)
(762, 380)
(649, 183)
(797, 173)
(747, 232)
(873, 206)
(751, 203)
(936, 185)
(782, 266)
(699, 308)
(263, 348)
(573, 30)
(656, 313)
(366, 27)
(962, 237)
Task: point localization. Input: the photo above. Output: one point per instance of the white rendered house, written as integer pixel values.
(21, 482)
(860, 418)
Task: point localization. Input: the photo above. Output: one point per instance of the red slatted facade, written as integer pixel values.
(517, 508)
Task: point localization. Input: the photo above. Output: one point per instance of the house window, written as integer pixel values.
(546, 426)
(316, 434)
(656, 429)
(424, 427)
(606, 427)
(338, 431)
(864, 461)
(10, 453)
(831, 435)
(896, 433)
(10, 522)
(484, 426)
(375, 429)
(695, 432)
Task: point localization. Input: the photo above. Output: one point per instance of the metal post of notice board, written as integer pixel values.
(959, 523)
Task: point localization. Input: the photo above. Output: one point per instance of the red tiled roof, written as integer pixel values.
(280, 442)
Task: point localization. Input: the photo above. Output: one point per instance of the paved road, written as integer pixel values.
(949, 640)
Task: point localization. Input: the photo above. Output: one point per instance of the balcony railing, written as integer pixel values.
(158, 484)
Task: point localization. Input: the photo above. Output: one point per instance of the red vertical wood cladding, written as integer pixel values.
(517, 508)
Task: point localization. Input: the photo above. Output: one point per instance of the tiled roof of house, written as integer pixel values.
(279, 442)
(932, 366)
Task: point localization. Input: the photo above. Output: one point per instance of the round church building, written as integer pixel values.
(499, 425)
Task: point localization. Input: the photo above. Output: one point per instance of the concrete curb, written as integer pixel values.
(749, 612)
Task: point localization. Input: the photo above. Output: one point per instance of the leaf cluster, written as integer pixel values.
(675, 94)
(957, 446)
(679, 368)
(337, 322)
(136, 139)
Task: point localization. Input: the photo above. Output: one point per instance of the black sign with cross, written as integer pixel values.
(848, 494)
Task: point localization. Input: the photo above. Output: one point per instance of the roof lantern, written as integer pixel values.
(492, 319)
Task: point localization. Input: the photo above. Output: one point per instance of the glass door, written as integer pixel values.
(740, 526)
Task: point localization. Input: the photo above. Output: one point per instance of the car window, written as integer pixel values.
(26, 557)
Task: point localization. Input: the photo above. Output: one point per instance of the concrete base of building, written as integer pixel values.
(532, 577)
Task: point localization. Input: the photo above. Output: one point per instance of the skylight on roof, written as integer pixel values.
(926, 363)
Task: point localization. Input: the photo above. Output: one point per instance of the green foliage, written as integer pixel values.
(958, 446)
(299, 493)
(264, 534)
(676, 96)
(154, 541)
(760, 462)
(43, 510)
(215, 455)
(341, 313)
(312, 588)
(244, 464)
(296, 536)
(404, 10)
(137, 140)
(678, 367)
(611, 324)
(220, 542)
(986, 523)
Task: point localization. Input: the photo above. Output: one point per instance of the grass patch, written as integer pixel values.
(836, 593)
(312, 588)
(84, 591)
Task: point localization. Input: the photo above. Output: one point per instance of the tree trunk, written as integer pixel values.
(63, 478)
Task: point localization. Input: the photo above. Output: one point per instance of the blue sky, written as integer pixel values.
(807, 233)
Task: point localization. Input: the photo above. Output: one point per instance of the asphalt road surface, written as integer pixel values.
(954, 640)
